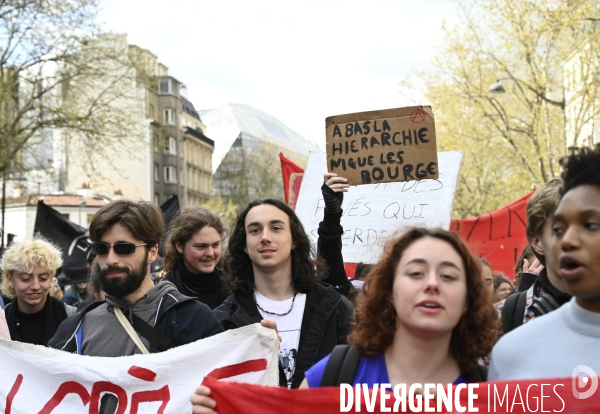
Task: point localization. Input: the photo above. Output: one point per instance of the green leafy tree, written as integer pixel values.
(62, 78)
(515, 139)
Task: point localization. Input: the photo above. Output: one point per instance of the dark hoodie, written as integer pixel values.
(103, 335)
(96, 330)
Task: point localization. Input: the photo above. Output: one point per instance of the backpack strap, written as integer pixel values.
(156, 339)
(544, 304)
(514, 311)
(342, 366)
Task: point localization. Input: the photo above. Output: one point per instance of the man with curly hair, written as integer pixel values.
(575, 226)
(29, 267)
(270, 267)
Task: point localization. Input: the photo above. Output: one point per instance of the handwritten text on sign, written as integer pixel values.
(42, 380)
(375, 213)
(383, 146)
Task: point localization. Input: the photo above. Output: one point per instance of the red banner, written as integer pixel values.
(526, 396)
(288, 167)
(498, 236)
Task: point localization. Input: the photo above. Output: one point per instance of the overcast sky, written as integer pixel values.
(299, 61)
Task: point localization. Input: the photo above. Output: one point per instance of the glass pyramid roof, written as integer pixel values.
(225, 124)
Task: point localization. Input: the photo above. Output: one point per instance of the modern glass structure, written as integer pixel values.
(238, 129)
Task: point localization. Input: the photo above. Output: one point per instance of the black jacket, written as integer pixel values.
(212, 299)
(180, 318)
(54, 313)
(325, 324)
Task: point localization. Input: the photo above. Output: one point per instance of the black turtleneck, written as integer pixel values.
(206, 287)
(36, 328)
(30, 326)
(545, 283)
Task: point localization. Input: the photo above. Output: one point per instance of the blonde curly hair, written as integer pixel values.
(24, 255)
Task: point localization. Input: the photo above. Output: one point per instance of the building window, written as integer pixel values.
(169, 116)
(166, 86)
(171, 146)
(170, 174)
(156, 174)
(155, 142)
(156, 198)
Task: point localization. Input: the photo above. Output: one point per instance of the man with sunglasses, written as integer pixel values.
(126, 236)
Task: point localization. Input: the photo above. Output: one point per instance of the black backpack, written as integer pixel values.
(343, 364)
(513, 311)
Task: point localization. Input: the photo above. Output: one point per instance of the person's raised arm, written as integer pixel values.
(329, 245)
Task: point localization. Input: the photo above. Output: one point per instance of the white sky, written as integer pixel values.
(299, 61)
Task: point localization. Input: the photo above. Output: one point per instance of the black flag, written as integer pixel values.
(169, 208)
(71, 238)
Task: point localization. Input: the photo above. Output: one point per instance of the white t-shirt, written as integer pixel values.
(289, 328)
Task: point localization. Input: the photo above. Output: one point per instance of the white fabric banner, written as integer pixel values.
(375, 213)
(42, 380)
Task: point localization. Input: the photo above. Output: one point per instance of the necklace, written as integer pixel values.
(273, 313)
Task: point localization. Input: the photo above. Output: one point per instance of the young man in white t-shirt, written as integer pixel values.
(271, 269)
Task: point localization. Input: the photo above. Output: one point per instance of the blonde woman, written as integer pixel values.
(28, 269)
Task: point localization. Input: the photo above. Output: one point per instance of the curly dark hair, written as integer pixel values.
(307, 267)
(183, 227)
(474, 335)
(581, 167)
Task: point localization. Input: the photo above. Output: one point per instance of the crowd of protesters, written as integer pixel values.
(428, 312)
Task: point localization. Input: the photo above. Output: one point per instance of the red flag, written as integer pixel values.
(288, 167)
(524, 396)
(498, 236)
(294, 188)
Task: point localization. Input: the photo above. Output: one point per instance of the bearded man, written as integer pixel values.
(126, 236)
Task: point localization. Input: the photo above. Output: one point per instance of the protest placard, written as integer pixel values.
(383, 146)
(374, 213)
(42, 380)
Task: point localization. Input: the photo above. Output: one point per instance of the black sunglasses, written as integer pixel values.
(122, 249)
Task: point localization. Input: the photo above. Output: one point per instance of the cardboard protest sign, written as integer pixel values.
(383, 146)
(42, 380)
(375, 213)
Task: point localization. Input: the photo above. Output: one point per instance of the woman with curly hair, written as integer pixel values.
(28, 269)
(424, 315)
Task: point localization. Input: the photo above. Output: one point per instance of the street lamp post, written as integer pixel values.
(498, 88)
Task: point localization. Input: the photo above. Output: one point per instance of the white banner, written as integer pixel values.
(375, 213)
(42, 380)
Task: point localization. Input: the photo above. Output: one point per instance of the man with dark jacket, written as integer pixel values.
(271, 270)
(548, 292)
(126, 237)
(29, 268)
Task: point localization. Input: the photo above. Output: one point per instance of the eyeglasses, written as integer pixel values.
(122, 249)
